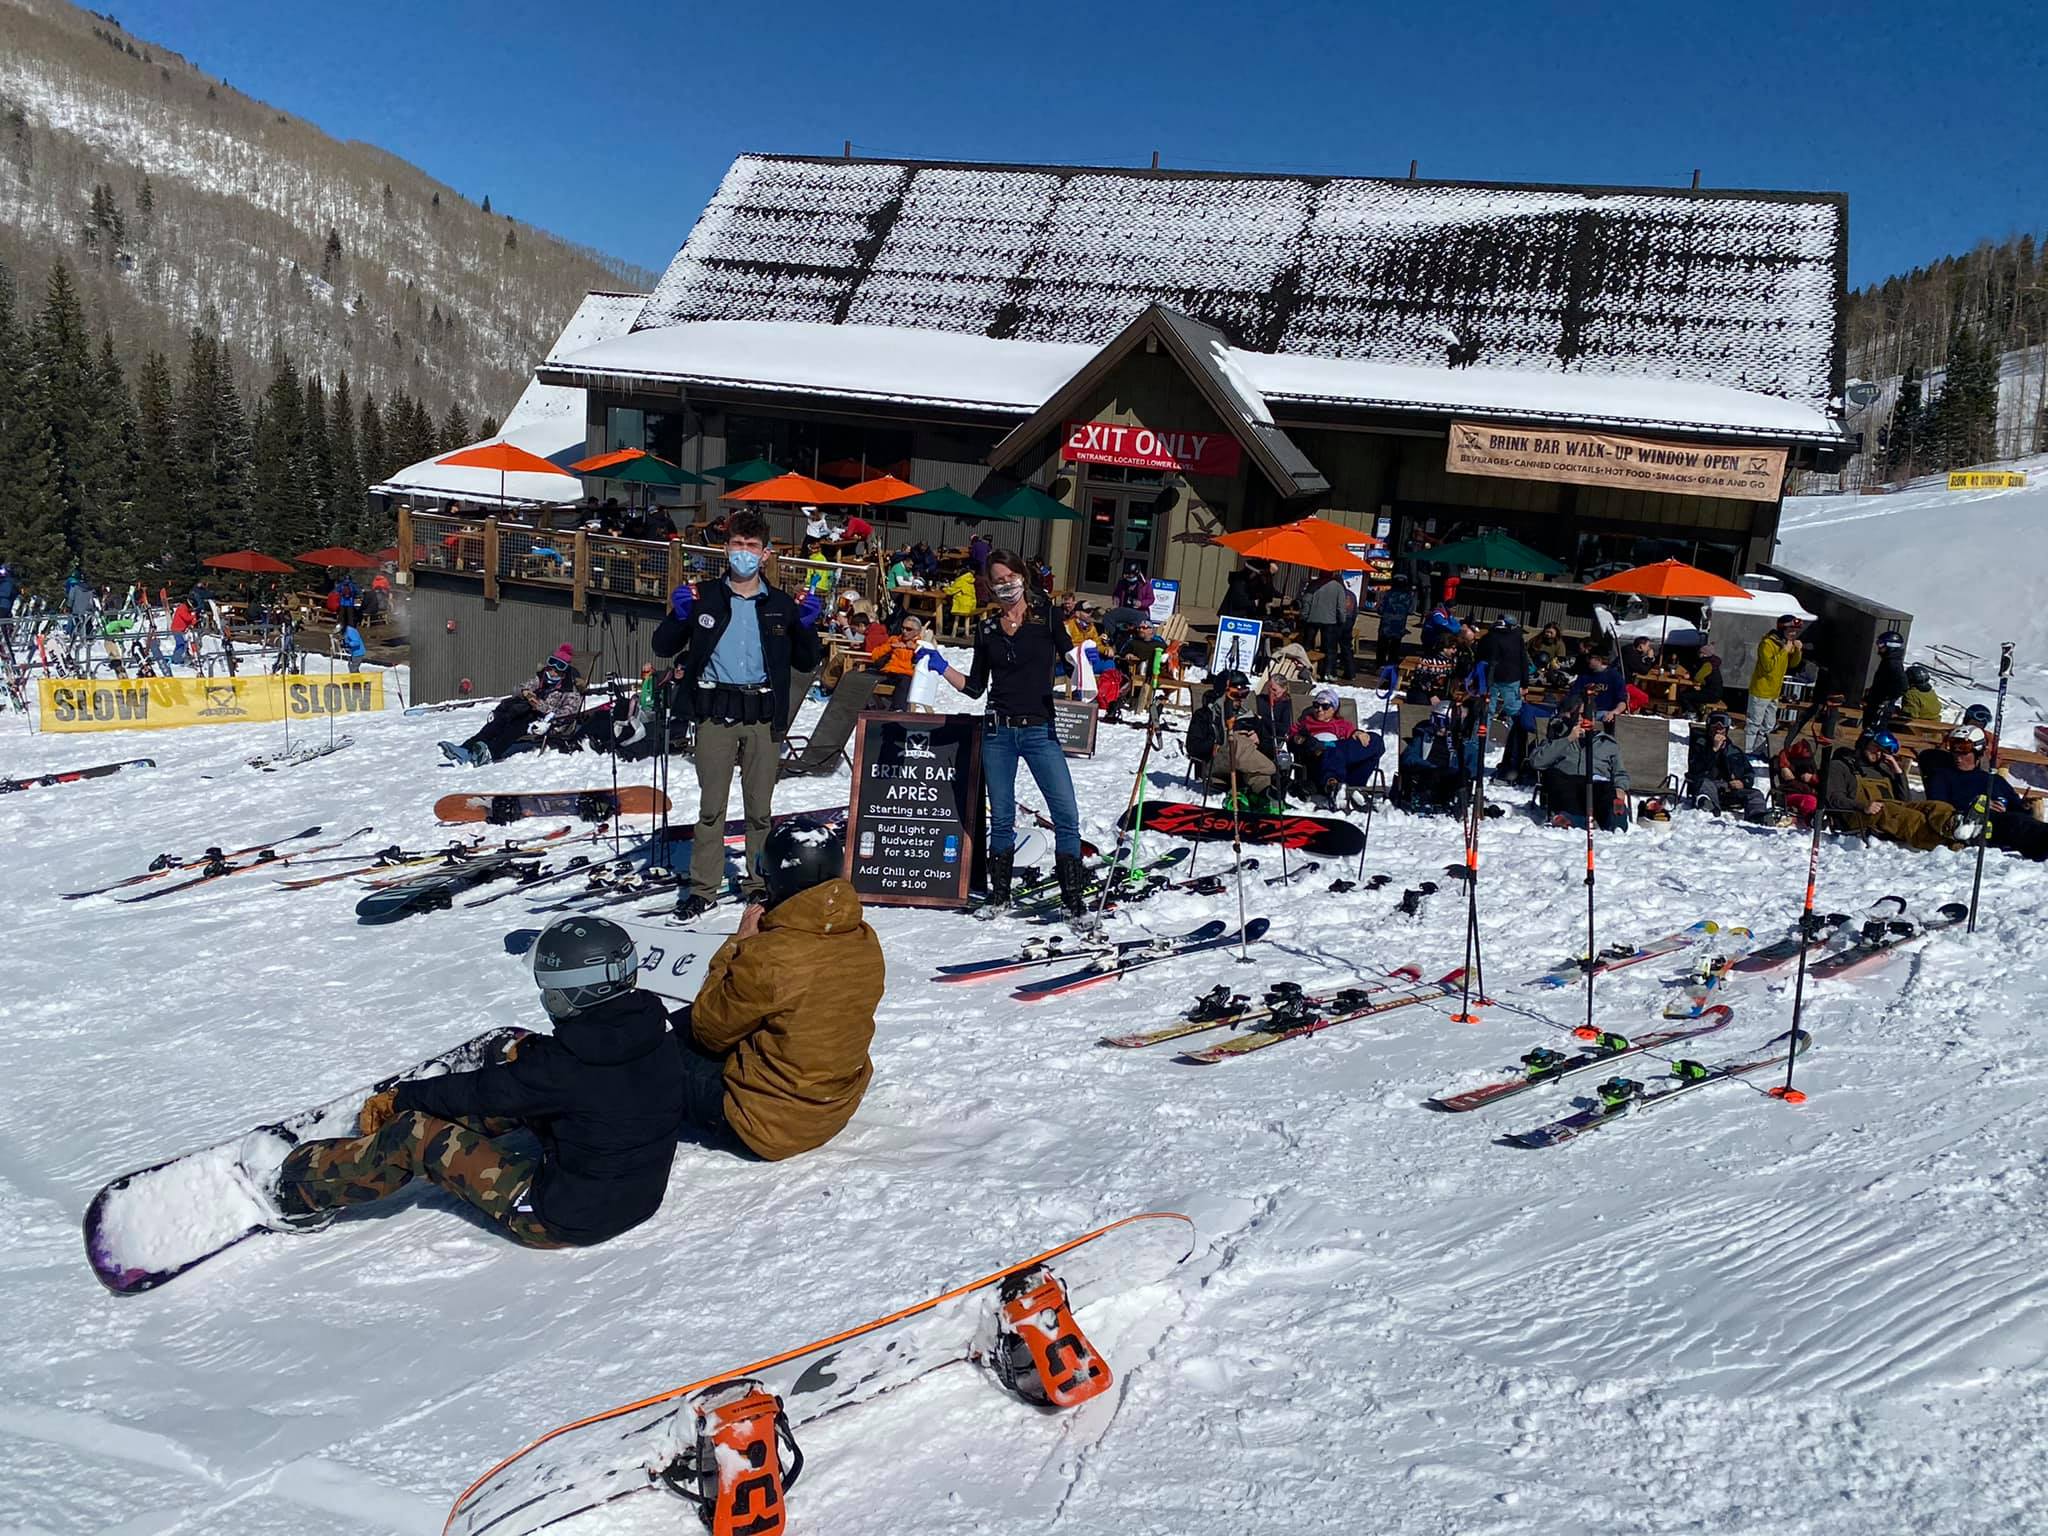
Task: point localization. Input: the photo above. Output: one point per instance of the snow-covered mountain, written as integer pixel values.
(176, 198)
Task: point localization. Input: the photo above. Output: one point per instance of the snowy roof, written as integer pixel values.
(1740, 289)
(599, 317)
(962, 371)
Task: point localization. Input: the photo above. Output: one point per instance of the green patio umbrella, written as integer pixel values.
(746, 472)
(1492, 551)
(648, 470)
(951, 503)
(1029, 504)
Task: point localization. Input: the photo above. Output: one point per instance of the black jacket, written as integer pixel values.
(1506, 657)
(1704, 765)
(605, 1095)
(785, 643)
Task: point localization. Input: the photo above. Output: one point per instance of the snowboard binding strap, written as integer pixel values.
(744, 1460)
(1041, 1353)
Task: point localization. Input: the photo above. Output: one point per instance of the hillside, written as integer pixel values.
(178, 199)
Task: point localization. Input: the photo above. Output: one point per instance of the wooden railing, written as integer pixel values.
(496, 552)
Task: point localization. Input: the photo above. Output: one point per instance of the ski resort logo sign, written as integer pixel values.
(165, 703)
(1624, 463)
(1191, 453)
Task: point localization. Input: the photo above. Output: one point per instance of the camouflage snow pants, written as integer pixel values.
(461, 1157)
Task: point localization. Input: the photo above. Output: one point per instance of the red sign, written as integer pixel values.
(1192, 453)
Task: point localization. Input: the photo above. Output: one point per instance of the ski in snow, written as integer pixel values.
(1223, 1009)
(220, 869)
(1622, 1098)
(1310, 1022)
(1618, 957)
(297, 755)
(1878, 940)
(169, 864)
(1551, 1066)
(1048, 951)
(73, 775)
(1113, 967)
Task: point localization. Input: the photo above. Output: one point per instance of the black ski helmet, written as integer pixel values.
(1507, 621)
(799, 854)
(1917, 676)
(1891, 640)
(1978, 714)
(579, 962)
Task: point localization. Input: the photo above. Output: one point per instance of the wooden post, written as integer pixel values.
(405, 541)
(490, 559)
(675, 568)
(579, 592)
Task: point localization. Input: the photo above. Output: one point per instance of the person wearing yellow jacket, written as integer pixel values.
(775, 1046)
(962, 601)
(1776, 654)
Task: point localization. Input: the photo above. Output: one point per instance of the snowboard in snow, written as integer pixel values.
(1323, 835)
(436, 890)
(623, 1451)
(73, 775)
(673, 956)
(152, 1225)
(588, 804)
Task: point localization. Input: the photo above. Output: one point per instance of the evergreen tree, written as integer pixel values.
(330, 254)
(31, 508)
(1963, 423)
(455, 431)
(1902, 442)
(61, 356)
(106, 474)
(214, 452)
(488, 427)
(159, 482)
(487, 202)
(511, 236)
(345, 503)
(371, 448)
(280, 476)
(319, 464)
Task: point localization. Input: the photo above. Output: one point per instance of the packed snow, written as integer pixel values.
(1736, 1316)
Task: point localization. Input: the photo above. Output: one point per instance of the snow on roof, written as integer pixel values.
(1739, 289)
(952, 368)
(557, 439)
(599, 317)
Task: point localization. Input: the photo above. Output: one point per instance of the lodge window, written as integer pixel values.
(840, 453)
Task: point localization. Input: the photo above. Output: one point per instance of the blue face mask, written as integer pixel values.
(743, 563)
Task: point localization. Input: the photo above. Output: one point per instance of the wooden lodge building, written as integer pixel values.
(1607, 374)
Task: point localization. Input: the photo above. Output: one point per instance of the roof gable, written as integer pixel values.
(1735, 288)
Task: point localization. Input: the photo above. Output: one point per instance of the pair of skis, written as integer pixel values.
(220, 868)
(1288, 1014)
(1100, 962)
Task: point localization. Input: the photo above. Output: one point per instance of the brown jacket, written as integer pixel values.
(792, 1010)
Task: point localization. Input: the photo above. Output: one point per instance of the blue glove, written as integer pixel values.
(682, 600)
(934, 661)
(808, 610)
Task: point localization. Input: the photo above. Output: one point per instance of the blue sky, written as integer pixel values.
(611, 123)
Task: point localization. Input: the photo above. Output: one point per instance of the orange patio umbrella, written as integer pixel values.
(253, 561)
(1667, 579)
(338, 557)
(795, 491)
(1290, 544)
(882, 488)
(506, 458)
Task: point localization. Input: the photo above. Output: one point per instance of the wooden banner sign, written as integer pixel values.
(1624, 463)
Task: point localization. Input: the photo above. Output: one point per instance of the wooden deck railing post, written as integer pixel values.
(676, 570)
(579, 591)
(405, 541)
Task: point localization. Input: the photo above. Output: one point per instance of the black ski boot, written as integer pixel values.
(1000, 867)
(1073, 878)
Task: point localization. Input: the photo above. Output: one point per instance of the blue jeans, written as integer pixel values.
(1504, 700)
(1002, 748)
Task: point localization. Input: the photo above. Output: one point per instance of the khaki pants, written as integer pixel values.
(1255, 770)
(721, 748)
(1919, 824)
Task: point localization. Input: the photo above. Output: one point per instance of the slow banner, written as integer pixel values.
(164, 703)
(1625, 463)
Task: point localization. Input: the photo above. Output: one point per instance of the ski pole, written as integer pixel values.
(1473, 813)
(1807, 923)
(1991, 763)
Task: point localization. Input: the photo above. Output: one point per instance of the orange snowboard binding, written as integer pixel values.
(745, 1460)
(1041, 1353)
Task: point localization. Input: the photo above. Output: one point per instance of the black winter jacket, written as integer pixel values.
(1506, 656)
(605, 1095)
(1704, 765)
(785, 643)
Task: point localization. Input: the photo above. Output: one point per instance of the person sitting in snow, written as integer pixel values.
(774, 1050)
(1581, 767)
(1717, 772)
(549, 707)
(1795, 774)
(1436, 767)
(1955, 773)
(1333, 753)
(605, 1096)
(1865, 791)
(1921, 701)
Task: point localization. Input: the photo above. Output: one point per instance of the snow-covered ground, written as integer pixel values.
(1734, 1317)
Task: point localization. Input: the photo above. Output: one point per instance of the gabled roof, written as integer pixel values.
(1205, 357)
(1739, 289)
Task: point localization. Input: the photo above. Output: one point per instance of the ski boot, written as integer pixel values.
(1002, 869)
(743, 1461)
(1040, 1352)
(1543, 1060)
(1073, 878)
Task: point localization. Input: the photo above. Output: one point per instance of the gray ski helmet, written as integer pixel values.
(1507, 621)
(579, 962)
(799, 854)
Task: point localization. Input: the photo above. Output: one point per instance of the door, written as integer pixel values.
(1122, 524)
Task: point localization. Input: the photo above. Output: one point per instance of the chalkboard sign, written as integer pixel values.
(916, 783)
(1073, 722)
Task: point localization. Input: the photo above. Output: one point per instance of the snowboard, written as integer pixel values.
(621, 1451)
(73, 775)
(588, 804)
(673, 956)
(152, 1225)
(436, 890)
(1321, 835)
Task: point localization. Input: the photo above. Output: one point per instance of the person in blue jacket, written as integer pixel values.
(1600, 691)
(1954, 773)
(351, 642)
(9, 593)
(1395, 607)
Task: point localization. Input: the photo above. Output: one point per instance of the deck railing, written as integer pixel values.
(498, 552)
